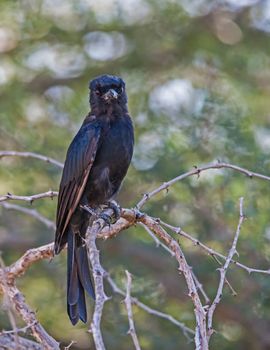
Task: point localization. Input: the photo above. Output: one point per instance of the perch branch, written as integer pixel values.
(131, 330)
(128, 219)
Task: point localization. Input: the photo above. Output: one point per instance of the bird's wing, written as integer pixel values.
(80, 157)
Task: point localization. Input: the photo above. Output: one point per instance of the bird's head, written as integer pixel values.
(107, 90)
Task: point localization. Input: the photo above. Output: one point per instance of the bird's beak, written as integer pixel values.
(110, 95)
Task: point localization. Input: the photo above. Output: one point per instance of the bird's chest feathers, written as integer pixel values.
(116, 138)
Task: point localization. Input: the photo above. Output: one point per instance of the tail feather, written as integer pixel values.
(78, 278)
(73, 281)
(84, 271)
(73, 313)
(82, 305)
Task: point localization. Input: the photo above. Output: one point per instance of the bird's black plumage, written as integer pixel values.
(97, 161)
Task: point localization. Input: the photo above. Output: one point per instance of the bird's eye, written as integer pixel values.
(97, 92)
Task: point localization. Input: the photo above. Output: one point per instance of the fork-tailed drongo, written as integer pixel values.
(96, 162)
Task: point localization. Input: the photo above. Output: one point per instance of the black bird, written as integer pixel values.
(97, 160)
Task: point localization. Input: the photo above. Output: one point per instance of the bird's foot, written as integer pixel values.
(111, 219)
(106, 217)
(116, 210)
(100, 212)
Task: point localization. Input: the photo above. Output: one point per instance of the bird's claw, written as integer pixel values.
(116, 211)
(107, 218)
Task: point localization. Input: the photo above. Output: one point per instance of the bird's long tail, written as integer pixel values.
(78, 278)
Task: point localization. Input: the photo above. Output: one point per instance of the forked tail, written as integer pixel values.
(78, 278)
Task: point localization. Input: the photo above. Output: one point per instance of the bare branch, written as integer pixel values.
(129, 218)
(223, 271)
(32, 212)
(131, 330)
(31, 155)
(29, 199)
(197, 171)
(46, 252)
(32, 255)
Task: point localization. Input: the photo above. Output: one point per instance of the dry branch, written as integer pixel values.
(197, 171)
(97, 229)
(29, 199)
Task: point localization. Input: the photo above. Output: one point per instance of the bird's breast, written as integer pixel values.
(112, 160)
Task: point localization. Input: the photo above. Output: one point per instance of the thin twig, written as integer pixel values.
(197, 171)
(200, 288)
(29, 199)
(131, 330)
(31, 155)
(32, 212)
(210, 251)
(157, 241)
(223, 271)
(70, 345)
(18, 330)
(226, 281)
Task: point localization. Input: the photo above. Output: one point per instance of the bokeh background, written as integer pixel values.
(198, 79)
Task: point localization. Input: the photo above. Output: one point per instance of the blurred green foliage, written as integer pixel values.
(198, 80)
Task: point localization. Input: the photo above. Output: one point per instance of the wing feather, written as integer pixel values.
(79, 160)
